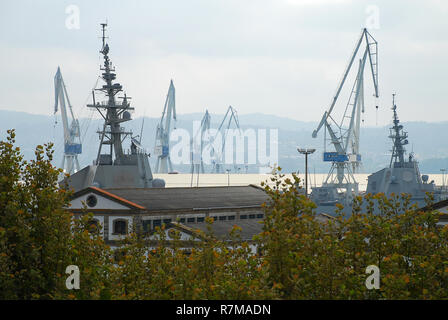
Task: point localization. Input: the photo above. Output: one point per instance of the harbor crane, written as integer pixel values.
(72, 140)
(217, 155)
(344, 134)
(162, 145)
(197, 147)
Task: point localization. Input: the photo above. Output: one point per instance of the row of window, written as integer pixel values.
(120, 226)
(251, 216)
(242, 217)
(158, 222)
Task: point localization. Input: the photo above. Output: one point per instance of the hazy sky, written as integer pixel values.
(281, 57)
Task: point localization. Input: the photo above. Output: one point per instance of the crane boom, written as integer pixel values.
(162, 149)
(345, 134)
(72, 141)
(373, 66)
(217, 156)
(197, 147)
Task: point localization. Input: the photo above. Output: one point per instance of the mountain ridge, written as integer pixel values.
(425, 138)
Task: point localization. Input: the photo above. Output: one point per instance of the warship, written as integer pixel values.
(403, 174)
(113, 167)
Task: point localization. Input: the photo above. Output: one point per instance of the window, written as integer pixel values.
(91, 201)
(231, 218)
(243, 216)
(222, 218)
(251, 216)
(200, 219)
(190, 220)
(166, 221)
(182, 220)
(215, 218)
(120, 226)
(93, 225)
(156, 223)
(260, 215)
(146, 225)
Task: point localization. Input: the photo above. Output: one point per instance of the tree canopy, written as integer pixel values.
(298, 256)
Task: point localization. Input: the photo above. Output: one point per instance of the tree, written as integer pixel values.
(298, 255)
(36, 239)
(307, 259)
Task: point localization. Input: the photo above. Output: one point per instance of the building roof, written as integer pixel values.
(222, 229)
(108, 195)
(441, 206)
(193, 198)
(249, 227)
(435, 206)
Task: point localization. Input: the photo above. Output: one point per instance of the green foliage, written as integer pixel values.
(211, 270)
(308, 259)
(33, 224)
(298, 256)
(36, 240)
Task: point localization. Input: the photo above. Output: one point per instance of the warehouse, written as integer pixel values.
(119, 211)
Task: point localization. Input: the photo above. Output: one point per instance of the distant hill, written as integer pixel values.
(427, 140)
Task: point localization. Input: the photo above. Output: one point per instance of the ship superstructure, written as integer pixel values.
(112, 166)
(403, 174)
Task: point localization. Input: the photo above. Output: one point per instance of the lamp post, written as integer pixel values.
(306, 152)
(443, 178)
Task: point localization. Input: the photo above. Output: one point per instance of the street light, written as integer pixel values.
(306, 152)
(443, 178)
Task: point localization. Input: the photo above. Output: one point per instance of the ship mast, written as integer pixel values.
(399, 139)
(112, 168)
(112, 111)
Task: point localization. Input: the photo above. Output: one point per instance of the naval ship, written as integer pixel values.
(114, 167)
(402, 176)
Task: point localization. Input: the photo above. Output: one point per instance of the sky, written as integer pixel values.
(282, 57)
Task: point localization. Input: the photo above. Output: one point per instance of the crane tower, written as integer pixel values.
(72, 141)
(344, 134)
(197, 147)
(217, 154)
(162, 145)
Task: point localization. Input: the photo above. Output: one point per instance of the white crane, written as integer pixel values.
(162, 145)
(197, 147)
(72, 141)
(345, 137)
(217, 155)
